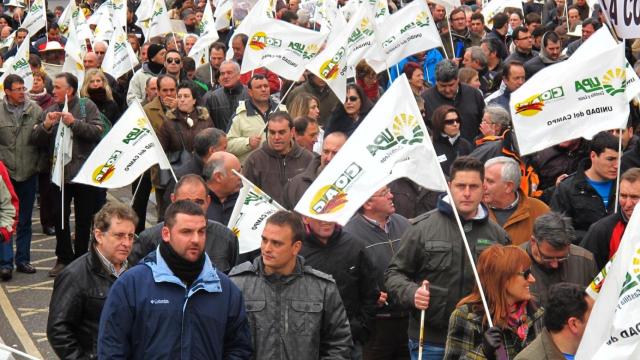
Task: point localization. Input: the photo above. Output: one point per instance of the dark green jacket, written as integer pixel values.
(19, 154)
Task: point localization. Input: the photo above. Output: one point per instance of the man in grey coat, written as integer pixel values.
(221, 244)
(294, 311)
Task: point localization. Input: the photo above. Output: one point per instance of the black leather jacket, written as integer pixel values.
(79, 293)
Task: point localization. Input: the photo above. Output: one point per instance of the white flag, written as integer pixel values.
(36, 19)
(143, 14)
(120, 57)
(281, 47)
(222, 14)
(104, 29)
(128, 150)
(449, 5)
(613, 330)
(250, 214)
(262, 9)
(381, 8)
(72, 13)
(362, 40)
(74, 55)
(490, 9)
(623, 17)
(8, 41)
(576, 98)
(159, 23)
(408, 31)
(208, 33)
(62, 150)
(19, 65)
(392, 142)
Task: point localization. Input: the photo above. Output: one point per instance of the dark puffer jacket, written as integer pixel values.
(79, 293)
(298, 316)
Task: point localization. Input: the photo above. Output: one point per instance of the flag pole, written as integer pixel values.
(453, 49)
(62, 182)
(615, 208)
(421, 338)
(135, 192)
(285, 94)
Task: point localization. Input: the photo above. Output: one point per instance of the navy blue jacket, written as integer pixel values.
(150, 314)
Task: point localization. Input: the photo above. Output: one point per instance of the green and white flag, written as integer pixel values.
(160, 22)
(120, 57)
(36, 19)
(208, 32)
(250, 215)
(74, 54)
(62, 149)
(19, 65)
(392, 142)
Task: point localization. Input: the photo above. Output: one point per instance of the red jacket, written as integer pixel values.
(274, 81)
(8, 205)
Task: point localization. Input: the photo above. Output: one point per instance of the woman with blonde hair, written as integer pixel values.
(505, 274)
(96, 87)
(304, 104)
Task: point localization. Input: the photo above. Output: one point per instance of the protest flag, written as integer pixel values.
(160, 22)
(575, 98)
(250, 214)
(36, 19)
(392, 142)
(62, 149)
(19, 65)
(613, 329)
(493, 7)
(126, 152)
(120, 57)
(74, 55)
(208, 33)
(262, 9)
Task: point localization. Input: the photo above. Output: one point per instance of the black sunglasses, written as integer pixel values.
(352, 98)
(525, 274)
(172, 60)
(451, 121)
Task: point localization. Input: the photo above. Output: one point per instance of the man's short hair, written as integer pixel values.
(477, 16)
(446, 71)
(492, 45)
(500, 20)
(467, 163)
(189, 180)
(510, 169)
(603, 141)
(235, 65)
(102, 219)
(280, 116)
(242, 37)
(256, 77)
(550, 36)
(455, 11)
(499, 116)
(515, 35)
(632, 175)
(149, 79)
(506, 70)
(555, 229)
(12, 79)
(218, 46)
(185, 207)
(205, 139)
(289, 16)
(301, 123)
(188, 64)
(290, 219)
(538, 32)
(532, 18)
(565, 300)
(212, 167)
(593, 22)
(72, 80)
(478, 55)
(164, 76)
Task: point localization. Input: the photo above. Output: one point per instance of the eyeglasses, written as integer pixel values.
(352, 98)
(172, 60)
(452, 121)
(464, 18)
(525, 38)
(21, 89)
(123, 236)
(525, 274)
(550, 259)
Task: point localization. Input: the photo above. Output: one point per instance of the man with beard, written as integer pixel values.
(551, 53)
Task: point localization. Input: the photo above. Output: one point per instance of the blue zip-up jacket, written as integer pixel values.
(432, 57)
(150, 314)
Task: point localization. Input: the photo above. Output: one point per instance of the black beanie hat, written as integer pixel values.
(153, 50)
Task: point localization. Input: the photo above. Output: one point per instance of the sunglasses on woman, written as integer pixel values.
(452, 121)
(352, 98)
(525, 274)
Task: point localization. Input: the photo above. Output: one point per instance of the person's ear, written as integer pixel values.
(165, 233)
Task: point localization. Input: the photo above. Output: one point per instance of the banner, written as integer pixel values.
(490, 9)
(261, 10)
(392, 142)
(120, 57)
(624, 16)
(62, 149)
(72, 13)
(208, 33)
(449, 5)
(222, 14)
(408, 31)
(74, 55)
(576, 98)
(159, 23)
(281, 47)
(19, 65)
(129, 149)
(362, 40)
(36, 18)
(249, 215)
(613, 330)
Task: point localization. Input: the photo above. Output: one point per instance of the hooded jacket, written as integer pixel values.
(271, 171)
(297, 316)
(344, 257)
(432, 249)
(138, 83)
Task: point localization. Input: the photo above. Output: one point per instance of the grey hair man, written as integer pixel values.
(223, 184)
(508, 205)
(223, 101)
(448, 91)
(554, 258)
(496, 121)
(475, 58)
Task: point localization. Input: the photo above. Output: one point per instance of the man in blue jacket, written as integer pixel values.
(175, 304)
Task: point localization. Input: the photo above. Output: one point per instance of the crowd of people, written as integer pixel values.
(539, 227)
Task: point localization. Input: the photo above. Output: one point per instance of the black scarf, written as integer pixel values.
(98, 95)
(154, 67)
(185, 270)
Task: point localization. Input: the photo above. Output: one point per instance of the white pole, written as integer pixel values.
(615, 208)
(18, 352)
(453, 49)
(285, 95)
(421, 337)
(135, 192)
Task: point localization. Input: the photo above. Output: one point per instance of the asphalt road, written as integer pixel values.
(24, 301)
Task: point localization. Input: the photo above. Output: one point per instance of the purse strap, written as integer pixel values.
(175, 125)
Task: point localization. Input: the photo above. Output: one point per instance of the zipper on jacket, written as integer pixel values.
(184, 307)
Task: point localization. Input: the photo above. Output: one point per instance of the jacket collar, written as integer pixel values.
(295, 152)
(208, 279)
(258, 268)
(95, 264)
(444, 206)
(313, 241)
(234, 90)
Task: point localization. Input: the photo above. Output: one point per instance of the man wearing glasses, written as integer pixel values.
(523, 42)
(173, 64)
(554, 258)
(80, 290)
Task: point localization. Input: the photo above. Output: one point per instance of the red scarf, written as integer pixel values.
(372, 91)
(518, 319)
(616, 237)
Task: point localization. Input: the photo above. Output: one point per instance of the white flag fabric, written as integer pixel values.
(250, 214)
(613, 330)
(623, 16)
(160, 22)
(62, 149)
(408, 31)
(8, 41)
(576, 98)
(392, 142)
(362, 40)
(72, 13)
(208, 33)
(120, 57)
(281, 47)
(143, 14)
(36, 19)
(381, 8)
(450, 4)
(490, 9)
(601, 40)
(19, 65)
(128, 150)
(74, 55)
(222, 14)
(261, 10)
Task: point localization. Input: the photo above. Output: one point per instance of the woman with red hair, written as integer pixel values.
(505, 274)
